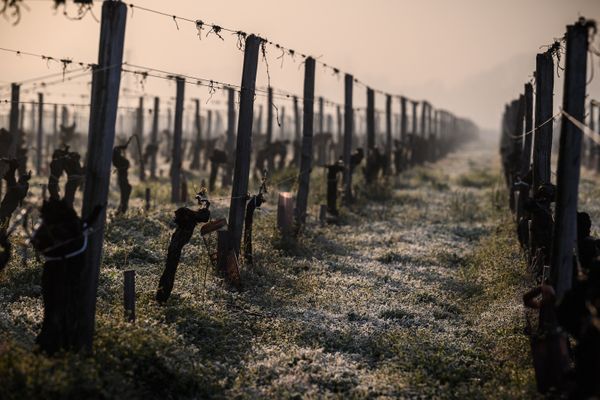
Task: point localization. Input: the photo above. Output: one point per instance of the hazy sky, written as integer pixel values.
(468, 56)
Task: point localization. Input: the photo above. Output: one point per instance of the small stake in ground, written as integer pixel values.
(129, 295)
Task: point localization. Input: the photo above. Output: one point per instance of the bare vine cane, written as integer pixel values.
(140, 153)
(333, 172)
(121, 163)
(205, 231)
(186, 220)
(6, 231)
(16, 190)
(254, 202)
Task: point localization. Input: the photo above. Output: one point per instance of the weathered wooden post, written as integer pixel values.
(244, 142)
(282, 124)
(593, 145)
(388, 134)
(269, 143)
(64, 116)
(13, 127)
(104, 100)
(597, 166)
(403, 132)
(14, 120)
(129, 295)
(32, 123)
(348, 131)
(22, 117)
(340, 133)
(230, 145)
(209, 125)
(569, 158)
(154, 137)
(197, 145)
(528, 139)
(297, 133)
(285, 213)
(307, 136)
(40, 135)
(54, 128)
(321, 150)
(140, 134)
(518, 140)
(177, 132)
(370, 135)
(147, 198)
(415, 150)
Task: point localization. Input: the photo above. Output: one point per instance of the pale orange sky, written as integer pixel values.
(467, 56)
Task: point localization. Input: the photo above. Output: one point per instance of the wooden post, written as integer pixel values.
(13, 127)
(259, 120)
(40, 135)
(403, 119)
(569, 158)
(176, 157)
(32, 124)
(544, 92)
(517, 150)
(64, 116)
(230, 146)
(307, 135)
(285, 213)
(424, 107)
(415, 150)
(414, 117)
(348, 130)
(22, 117)
(321, 151)
(14, 120)
(282, 124)
(209, 125)
(597, 166)
(140, 133)
(528, 139)
(244, 142)
(129, 295)
(593, 145)
(104, 100)
(147, 197)
(184, 190)
(154, 137)
(388, 131)
(55, 139)
(370, 134)
(340, 134)
(270, 160)
(297, 133)
(321, 116)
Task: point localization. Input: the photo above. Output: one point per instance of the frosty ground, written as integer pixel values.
(416, 293)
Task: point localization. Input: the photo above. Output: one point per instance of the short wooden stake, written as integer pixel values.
(285, 213)
(129, 295)
(147, 196)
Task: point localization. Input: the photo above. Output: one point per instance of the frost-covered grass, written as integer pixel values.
(415, 294)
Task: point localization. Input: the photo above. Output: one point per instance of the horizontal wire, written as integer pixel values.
(200, 25)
